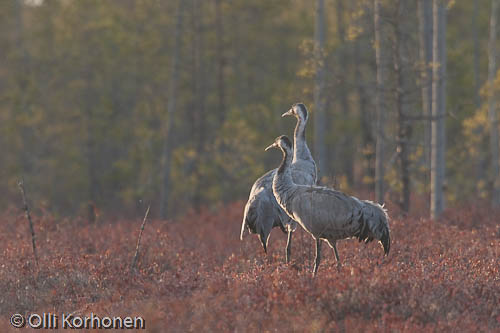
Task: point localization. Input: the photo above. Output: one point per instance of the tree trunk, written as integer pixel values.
(438, 108)
(219, 54)
(200, 94)
(91, 150)
(425, 54)
(366, 120)
(342, 59)
(492, 113)
(171, 105)
(379, 105)
(475, 38)
(479, 164)
(319, 101)
(23, 73)
(404, 125)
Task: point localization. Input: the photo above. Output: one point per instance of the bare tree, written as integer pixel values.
(88, 97)
(475, 39)
(28, 217)
(200, 92)
(492, 113)
(171, 105)
(319, 89)
(366, 118)
(138, 245)
(379, 105)
(219, 54)
(23, 70)
(362, 89)
(404, 124)
(438, 108)
(481, 162)
(425, 54)
(342, 60)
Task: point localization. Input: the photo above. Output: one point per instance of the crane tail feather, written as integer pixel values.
(242, 232)
(386, 243)
(263, 240)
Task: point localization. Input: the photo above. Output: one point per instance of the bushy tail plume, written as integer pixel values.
(253, 222)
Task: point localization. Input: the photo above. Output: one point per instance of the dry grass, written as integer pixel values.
(194, 274)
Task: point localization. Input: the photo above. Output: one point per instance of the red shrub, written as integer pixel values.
(195, 274)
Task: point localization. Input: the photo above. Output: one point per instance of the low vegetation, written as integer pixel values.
(194, 274)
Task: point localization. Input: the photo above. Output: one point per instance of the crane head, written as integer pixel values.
(298, 110)
(282, 142)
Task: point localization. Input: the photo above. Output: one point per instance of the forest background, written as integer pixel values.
(107, 105)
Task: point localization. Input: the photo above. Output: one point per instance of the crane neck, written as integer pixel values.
(283, 181)
(300, 148)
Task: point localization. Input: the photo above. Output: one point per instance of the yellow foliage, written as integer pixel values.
(367, 180)
(368, 150)
(339, 182)
(473, 130)
(451, 197)
(393, 180)
(353, 31)
(417, 154)
(343, 183)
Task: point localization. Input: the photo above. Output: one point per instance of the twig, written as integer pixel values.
(28, 216)
(139, 239)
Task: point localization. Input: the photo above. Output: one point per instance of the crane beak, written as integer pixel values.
(271, 146)
(288, 113)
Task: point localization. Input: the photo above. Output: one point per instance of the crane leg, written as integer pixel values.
(318, 256)
(336, 254)
(288, 245)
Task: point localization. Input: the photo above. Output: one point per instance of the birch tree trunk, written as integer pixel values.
(438, 108)
(492, 113)
(379, 105)
(171, 105)
(425, 54)
(319, 100)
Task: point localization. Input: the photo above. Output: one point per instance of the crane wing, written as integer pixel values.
(325, 212)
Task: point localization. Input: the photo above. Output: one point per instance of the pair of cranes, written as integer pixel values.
(288, 195)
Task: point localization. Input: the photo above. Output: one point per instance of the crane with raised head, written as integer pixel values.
(325, 213)
(262, 212)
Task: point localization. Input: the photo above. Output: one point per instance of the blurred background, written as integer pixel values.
(107, 105)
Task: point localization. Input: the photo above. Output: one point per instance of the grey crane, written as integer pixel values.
(325, 213)
(262, 212)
